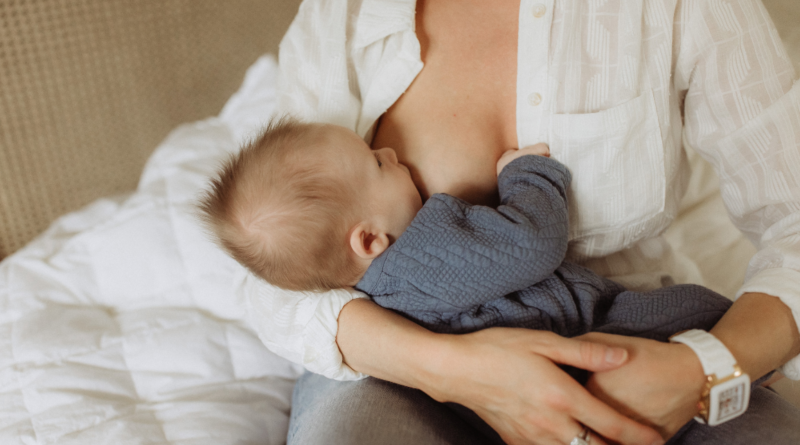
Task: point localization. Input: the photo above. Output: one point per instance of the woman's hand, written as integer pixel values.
(509, 378)
(661, 382)
(659, 385)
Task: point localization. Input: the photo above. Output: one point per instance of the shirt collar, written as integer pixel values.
(378, 19)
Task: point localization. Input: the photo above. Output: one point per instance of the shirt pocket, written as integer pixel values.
(616, 157)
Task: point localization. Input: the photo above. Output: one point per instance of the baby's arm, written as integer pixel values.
(540, 149)
(533, 188)
(456, 255)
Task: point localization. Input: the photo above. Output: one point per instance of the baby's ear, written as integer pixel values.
(367, 243)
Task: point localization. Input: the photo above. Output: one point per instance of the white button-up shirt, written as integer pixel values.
(617, 89)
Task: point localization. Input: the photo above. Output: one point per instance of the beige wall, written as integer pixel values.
(88, 88)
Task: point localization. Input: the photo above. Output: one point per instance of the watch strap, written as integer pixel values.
(714, 356)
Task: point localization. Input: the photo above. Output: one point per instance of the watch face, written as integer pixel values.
(728, 400)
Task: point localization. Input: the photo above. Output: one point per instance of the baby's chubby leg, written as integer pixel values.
(660, 313)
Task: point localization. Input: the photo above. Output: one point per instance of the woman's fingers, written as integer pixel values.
(550, 428)
(591, 437)
(594, 439)
(610, 424)
(580, 354)
(660, 382)
(509, 379)
(578, 405)
(577, 430)
(584, 407)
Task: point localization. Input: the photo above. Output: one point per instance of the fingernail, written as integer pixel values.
(616, 356)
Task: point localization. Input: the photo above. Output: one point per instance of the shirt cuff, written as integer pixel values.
(785, 285)
(300, 326)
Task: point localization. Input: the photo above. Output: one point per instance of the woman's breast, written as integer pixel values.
(459, 114)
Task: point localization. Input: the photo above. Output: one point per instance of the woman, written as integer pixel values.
(615, 88)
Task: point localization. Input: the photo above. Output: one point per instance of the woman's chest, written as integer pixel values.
(458, 116)
(575, 75)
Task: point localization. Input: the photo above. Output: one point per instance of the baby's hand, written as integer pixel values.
(540, 149)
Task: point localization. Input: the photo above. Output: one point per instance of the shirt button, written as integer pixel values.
(534, 99)
(539, 10)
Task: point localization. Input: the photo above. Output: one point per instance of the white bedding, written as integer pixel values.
(120, 324)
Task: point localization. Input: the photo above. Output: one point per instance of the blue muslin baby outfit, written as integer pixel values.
(459, 268)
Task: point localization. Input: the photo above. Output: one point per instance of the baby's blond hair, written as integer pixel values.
(282, 212)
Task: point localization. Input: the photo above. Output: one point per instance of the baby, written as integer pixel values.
(312, 207)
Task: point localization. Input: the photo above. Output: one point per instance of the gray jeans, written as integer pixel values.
(373, 411)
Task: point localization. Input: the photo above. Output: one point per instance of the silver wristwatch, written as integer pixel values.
(727, 390)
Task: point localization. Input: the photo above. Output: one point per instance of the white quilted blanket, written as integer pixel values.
(120, 324)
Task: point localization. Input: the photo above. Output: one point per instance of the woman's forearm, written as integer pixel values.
(663, 381)
(507, 376)
(383, 344)
(760, 332)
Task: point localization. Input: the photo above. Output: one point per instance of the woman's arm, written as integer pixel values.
(742, 114)
(507, 376)
(661, 383)
(756, 320)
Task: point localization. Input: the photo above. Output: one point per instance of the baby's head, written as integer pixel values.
(309, 206)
